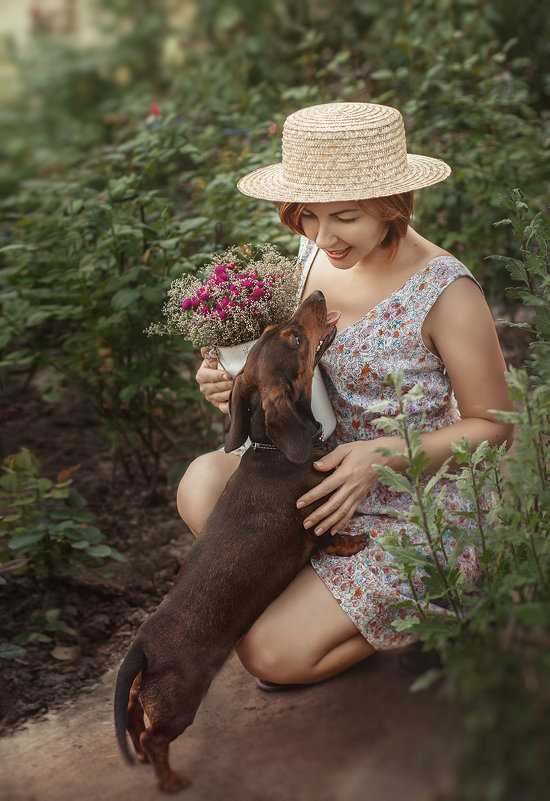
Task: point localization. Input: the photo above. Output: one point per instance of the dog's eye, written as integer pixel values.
(297, 337)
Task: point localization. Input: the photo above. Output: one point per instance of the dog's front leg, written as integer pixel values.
(342, 544)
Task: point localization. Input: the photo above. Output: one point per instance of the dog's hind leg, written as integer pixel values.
(170, 705)
(135, 723)
(156, 746)
(155, 743)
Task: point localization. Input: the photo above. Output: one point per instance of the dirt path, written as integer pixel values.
(360, 736)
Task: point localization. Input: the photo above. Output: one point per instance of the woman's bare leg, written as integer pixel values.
(304, 636)
(202, 485)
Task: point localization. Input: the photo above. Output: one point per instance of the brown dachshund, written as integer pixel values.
(251, 547)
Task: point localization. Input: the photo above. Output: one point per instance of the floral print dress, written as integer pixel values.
(354, 368)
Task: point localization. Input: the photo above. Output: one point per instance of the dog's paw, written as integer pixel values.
(342, 545)
(173, 782)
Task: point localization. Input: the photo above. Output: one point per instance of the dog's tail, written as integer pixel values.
(134, 661)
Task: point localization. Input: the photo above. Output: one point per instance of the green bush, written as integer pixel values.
(90, 259)
(495, 643)
(45, 527)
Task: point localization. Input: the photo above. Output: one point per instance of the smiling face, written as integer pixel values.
(345, 232)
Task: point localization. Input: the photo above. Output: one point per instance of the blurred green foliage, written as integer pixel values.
(494, 637)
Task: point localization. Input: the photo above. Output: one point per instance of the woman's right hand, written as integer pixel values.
(214, 384)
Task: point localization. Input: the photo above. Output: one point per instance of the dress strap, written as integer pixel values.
(306, 254)
(436, 277)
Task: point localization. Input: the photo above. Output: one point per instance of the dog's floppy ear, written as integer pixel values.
(239, 418)
(285, 428)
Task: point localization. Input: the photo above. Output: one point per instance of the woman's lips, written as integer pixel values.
(338, 254)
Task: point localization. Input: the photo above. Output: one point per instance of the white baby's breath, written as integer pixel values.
(239, 293)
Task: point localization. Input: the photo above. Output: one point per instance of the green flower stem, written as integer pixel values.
(479, 518)
(538, 446)
(420, 501)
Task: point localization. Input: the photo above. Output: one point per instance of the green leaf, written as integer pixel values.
(10, 651)
(84, 516)
(100, 551)
(191, 224)
(9, 482)
(128, 393)
(43, 484)
(124, 298)
(80, 545)
(169, 244)
(407, 623)
(153, 295)
(75, 500)
(117, 555)
(92, 535)
(397, 482)
(428, 679)
(26, 540)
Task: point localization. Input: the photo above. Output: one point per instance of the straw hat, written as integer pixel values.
(343, 151)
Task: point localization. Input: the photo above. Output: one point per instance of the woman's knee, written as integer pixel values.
(201, 486)
(265, 656)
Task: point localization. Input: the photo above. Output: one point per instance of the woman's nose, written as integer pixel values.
(325, 236)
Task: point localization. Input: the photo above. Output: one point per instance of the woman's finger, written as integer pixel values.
(335, 521)
(326, 486)
(337, 505)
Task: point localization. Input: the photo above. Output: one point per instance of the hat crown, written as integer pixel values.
(343, 146)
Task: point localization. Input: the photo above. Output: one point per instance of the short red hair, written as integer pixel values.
(396, 210)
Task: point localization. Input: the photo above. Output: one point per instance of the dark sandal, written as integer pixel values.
(272, 687)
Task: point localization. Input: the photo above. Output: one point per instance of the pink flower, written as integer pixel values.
(272, 128)
(154, 110)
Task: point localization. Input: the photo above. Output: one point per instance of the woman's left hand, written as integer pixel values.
(354, 474)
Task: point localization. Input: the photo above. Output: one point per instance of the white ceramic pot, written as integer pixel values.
(232, 359)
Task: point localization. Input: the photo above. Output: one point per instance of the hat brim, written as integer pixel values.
(268, 183)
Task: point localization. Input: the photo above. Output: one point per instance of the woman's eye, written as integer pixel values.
(352, 219)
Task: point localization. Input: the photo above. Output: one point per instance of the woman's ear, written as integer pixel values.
(239, 418)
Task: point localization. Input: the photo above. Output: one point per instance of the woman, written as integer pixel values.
(346, 185)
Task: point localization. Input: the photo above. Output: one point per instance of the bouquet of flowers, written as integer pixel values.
(241, 292)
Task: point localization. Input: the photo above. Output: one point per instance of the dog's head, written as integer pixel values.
(271, 397)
